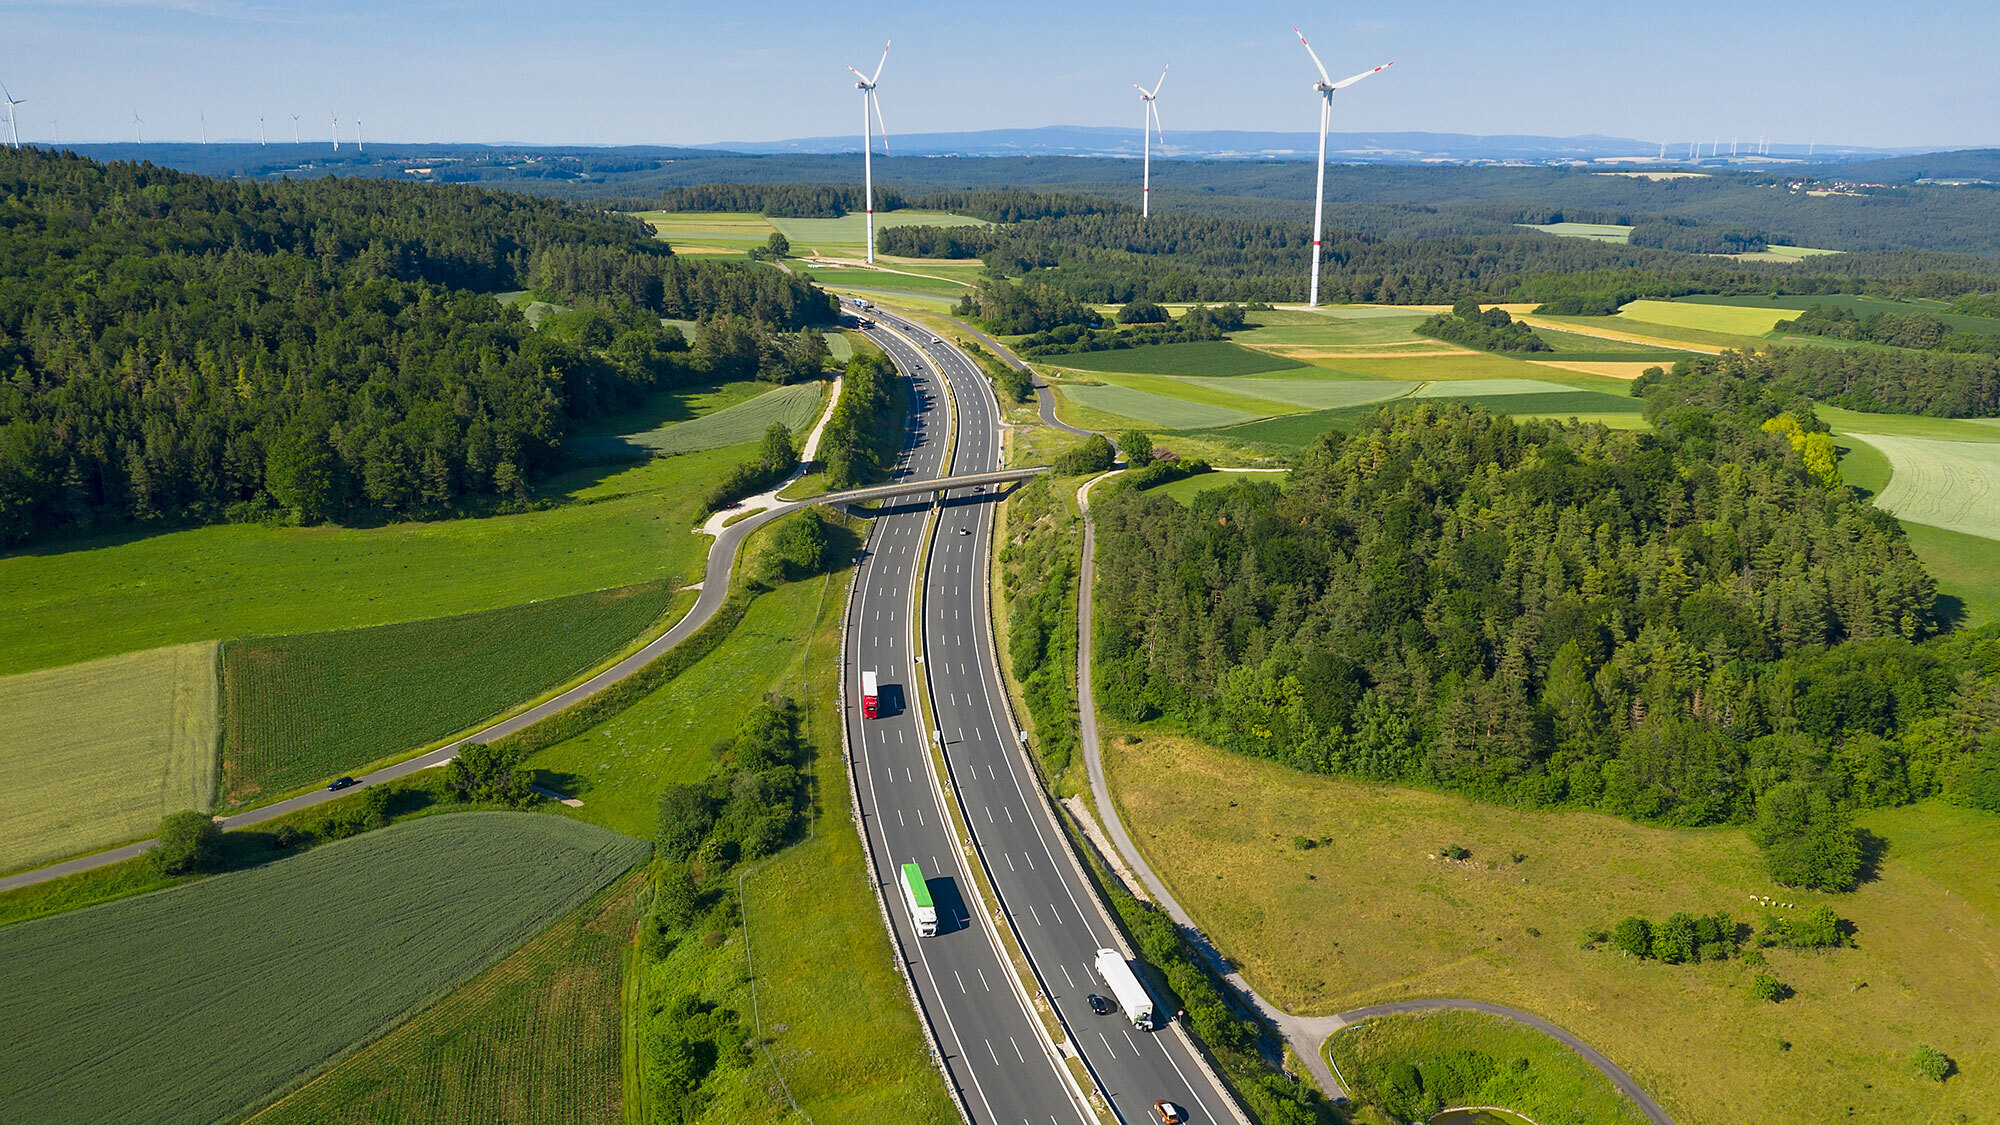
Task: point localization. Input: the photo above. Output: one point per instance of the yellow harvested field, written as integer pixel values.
(1608, 369)
(1373, 912)
(1739, 319)
(1571, 325)
(96, 753)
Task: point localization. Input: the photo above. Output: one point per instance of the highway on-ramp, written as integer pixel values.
(1043, 894)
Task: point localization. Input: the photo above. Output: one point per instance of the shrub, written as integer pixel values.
(1304, 843)
(1764, 986)
(1634, 935)
(1932, 1063)
(189, 842)
(1453, 851)
(1093, 456)
(492, 771)
(1807, 840)
(1675, 940)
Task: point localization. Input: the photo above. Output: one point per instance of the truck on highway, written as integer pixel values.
(1124, 984)
(917, 896)
(871, 696)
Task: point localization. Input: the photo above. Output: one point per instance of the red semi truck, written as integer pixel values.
(871, 697)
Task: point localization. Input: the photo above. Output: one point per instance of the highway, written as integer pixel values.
(983, 1026)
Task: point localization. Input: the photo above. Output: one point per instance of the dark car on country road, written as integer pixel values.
(340, 783)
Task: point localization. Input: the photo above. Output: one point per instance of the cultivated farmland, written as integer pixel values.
(1596, 232)
(1373, 913)
(1209, 357)
(797, 406)
(1157, 410)
(535, 1039)
(1950, 484)
(233, 580)
(96, 753)
(306, 707)
(198, 1003)
(1319, 394)
(848, 235)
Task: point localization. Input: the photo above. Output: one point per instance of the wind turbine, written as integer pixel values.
(1151, 123)
(204, 126)
(260, 128)
(1324, 88)
(357, 133)
(295, 128)
(866, 84)
(138, 127)
(52, 132)
(13, 118)
(336, 129)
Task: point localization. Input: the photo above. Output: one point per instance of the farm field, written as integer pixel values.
(1554, 1087)
(1961, 563)
(535, 1040)
(1187, 488)
(1854, 303)
(1208, 357)
(847, 236)
(1954, 485)
(607, 528)
(96, 753)
(1596, 232)
(1329, 333)
(1156, 410)
(845, 277)
(1737, 320)
(1778, 253)
(1370, 915)
(797, 406)
(1317, 394)
(304, 708)
(733, 232)
(144, 1010)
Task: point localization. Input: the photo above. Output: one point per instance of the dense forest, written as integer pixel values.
(1876, 380)
(1671, 625)
(1901, 330)
(789, 201)
(183, 349)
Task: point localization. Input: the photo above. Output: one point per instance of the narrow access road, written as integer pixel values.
(1305, 1034)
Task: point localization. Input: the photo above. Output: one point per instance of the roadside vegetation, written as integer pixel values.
(183, 979)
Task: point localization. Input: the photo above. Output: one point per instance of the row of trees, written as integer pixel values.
(862, 437)
(788, 201)
(1670, 626)
(1492, 330)
(180, 349)
(1877, 380)
(1902, 330)
(1143, 323)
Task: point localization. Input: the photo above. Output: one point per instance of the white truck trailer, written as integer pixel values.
(1124, 985)
(917, 896)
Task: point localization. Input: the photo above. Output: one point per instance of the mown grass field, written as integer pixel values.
(1318, 394)
(1954, 485)
(606, 528)
(1555, 1087)
(847, 236)
(96, 753)
(304, 708)
(720, 231)
(843, 277)
(1157, 410)
(1738, 320)
(535, 1040)
(199, 1003)
(1207, 357)
(797, 406)
(1852, 302)
(1187, 488)
(1370, 915)
(1968, 582)
(1596, 232)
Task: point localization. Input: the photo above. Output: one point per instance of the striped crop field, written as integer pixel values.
(797, 406)
(303, 708)
(200, 1003)
(1163, 411)
(1319, 394)
(1954, 485)
(1469, 388)
(533, 1040)
(96, 753)
(1208, 357)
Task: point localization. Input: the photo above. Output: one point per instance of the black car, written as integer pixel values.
(1100, 1005)
(340, 783)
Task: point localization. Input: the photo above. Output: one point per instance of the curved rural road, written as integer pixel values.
(1305, 1034)
(714, 591)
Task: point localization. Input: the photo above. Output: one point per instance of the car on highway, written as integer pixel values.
(340, 783)
(1169, 1113)
(1100, 1005)
(965, 531)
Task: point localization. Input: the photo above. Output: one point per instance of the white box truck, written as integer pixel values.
(917, 896)
(1124, 984)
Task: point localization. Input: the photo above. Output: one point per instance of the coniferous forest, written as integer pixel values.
(187, 349)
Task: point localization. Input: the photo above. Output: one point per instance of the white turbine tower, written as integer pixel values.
(204, 126)
(336, 129)
(866, 84)
(1151, 123)
(138, 128)
(13, 116)
(295, 129)
(260, 128)
(1325, 88)
(52, 132)
(357, 134)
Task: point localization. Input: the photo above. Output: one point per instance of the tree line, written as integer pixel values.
(177, 349)
(787, 201)
(1876, 380)
(1490, 330)
(1919, 330)
(1672, 626)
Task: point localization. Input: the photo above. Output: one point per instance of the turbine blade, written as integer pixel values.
(857, 74)
(1346, 82)
(884, 62)
(877, 104)
(1155, 107)
(1142, 91)
(1314, 54)
(1161, 82)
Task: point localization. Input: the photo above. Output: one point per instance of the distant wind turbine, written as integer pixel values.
(866, 84)
(204, 126)
(1663, 150)
(138, 127)
(260, 128)
(13, 117)
(1151, 123)
(357, 134)
(1732, 146)
(1325, 88)
(295, 129)
(336, 129)
(52, 132)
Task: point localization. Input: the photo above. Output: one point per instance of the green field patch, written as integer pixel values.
(535, 1040)
(1668, 335)
(1187, 488)
(1334, 329)
(1434, 368)
(96, 753)
(199, 1003)
(1316, 393)
(1156, 410)
(1778, 253)
(1470, 388)
(797, 406)
(732, 231)
(79, 601)
(848, 234)
(1207, 358)
(1855, 303)
(1954, 485)
(1736, 320)
(1577, 346)
(1968, 581)
(1293, 431)
(1596, 232)
(1562, 403)
(306, 707)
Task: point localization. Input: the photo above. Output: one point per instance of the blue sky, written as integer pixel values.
(1881, 73)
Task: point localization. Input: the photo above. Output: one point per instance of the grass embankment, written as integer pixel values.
(533, 1040)
(1370, 914)
(1415, 1065)
(96, 753)
(744, 420)
(604, 529)
(202, 1002)
(304, 708)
